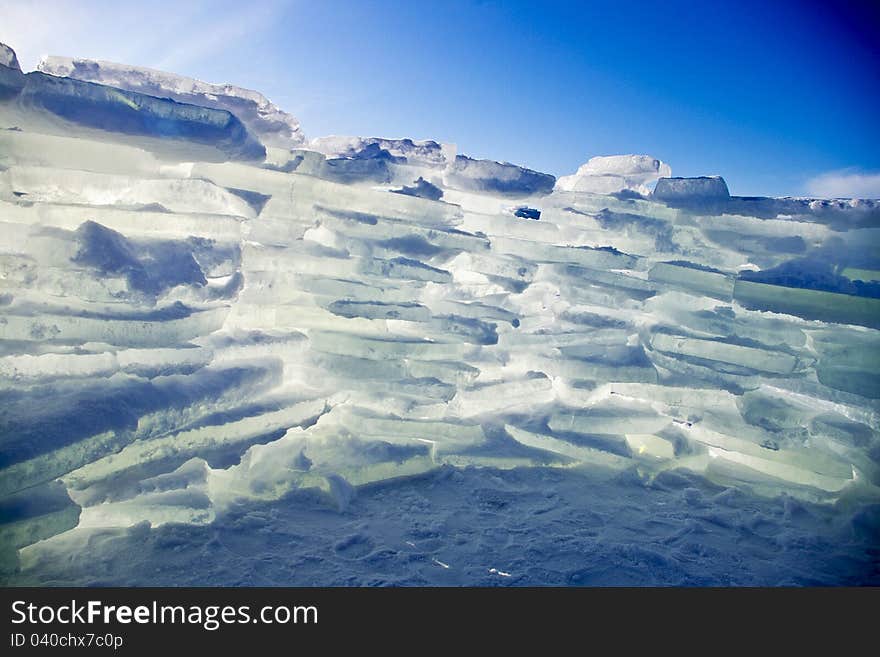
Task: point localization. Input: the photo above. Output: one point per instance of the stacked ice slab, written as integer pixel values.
(185, 327)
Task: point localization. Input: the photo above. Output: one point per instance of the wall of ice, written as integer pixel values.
(179, 334)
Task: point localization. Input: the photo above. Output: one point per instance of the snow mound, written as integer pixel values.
(615, 173)
(271, 125)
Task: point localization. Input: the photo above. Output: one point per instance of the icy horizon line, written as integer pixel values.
(843, 184)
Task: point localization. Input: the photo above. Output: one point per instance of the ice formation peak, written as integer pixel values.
(264, 119)
(427, 152)
(8, 58)
(615, 173)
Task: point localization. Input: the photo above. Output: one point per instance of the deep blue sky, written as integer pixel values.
(768, 94)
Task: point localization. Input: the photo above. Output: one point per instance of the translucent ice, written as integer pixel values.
(615, 173)
(187, 324)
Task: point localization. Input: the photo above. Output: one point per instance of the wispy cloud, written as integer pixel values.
(845, 183)
(160, 34)
(219, 31)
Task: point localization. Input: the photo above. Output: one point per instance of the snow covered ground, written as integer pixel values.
(488, 527)
(228, 357)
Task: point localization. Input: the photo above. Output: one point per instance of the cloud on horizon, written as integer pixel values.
(845, 183)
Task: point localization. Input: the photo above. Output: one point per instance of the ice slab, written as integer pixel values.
(615, 173)
(272, 125)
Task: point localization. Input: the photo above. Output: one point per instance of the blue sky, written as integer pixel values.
(778, 97)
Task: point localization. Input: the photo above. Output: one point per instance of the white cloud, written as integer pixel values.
(846, 183)
(219, 33)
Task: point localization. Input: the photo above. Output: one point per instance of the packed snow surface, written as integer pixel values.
(381, 362)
